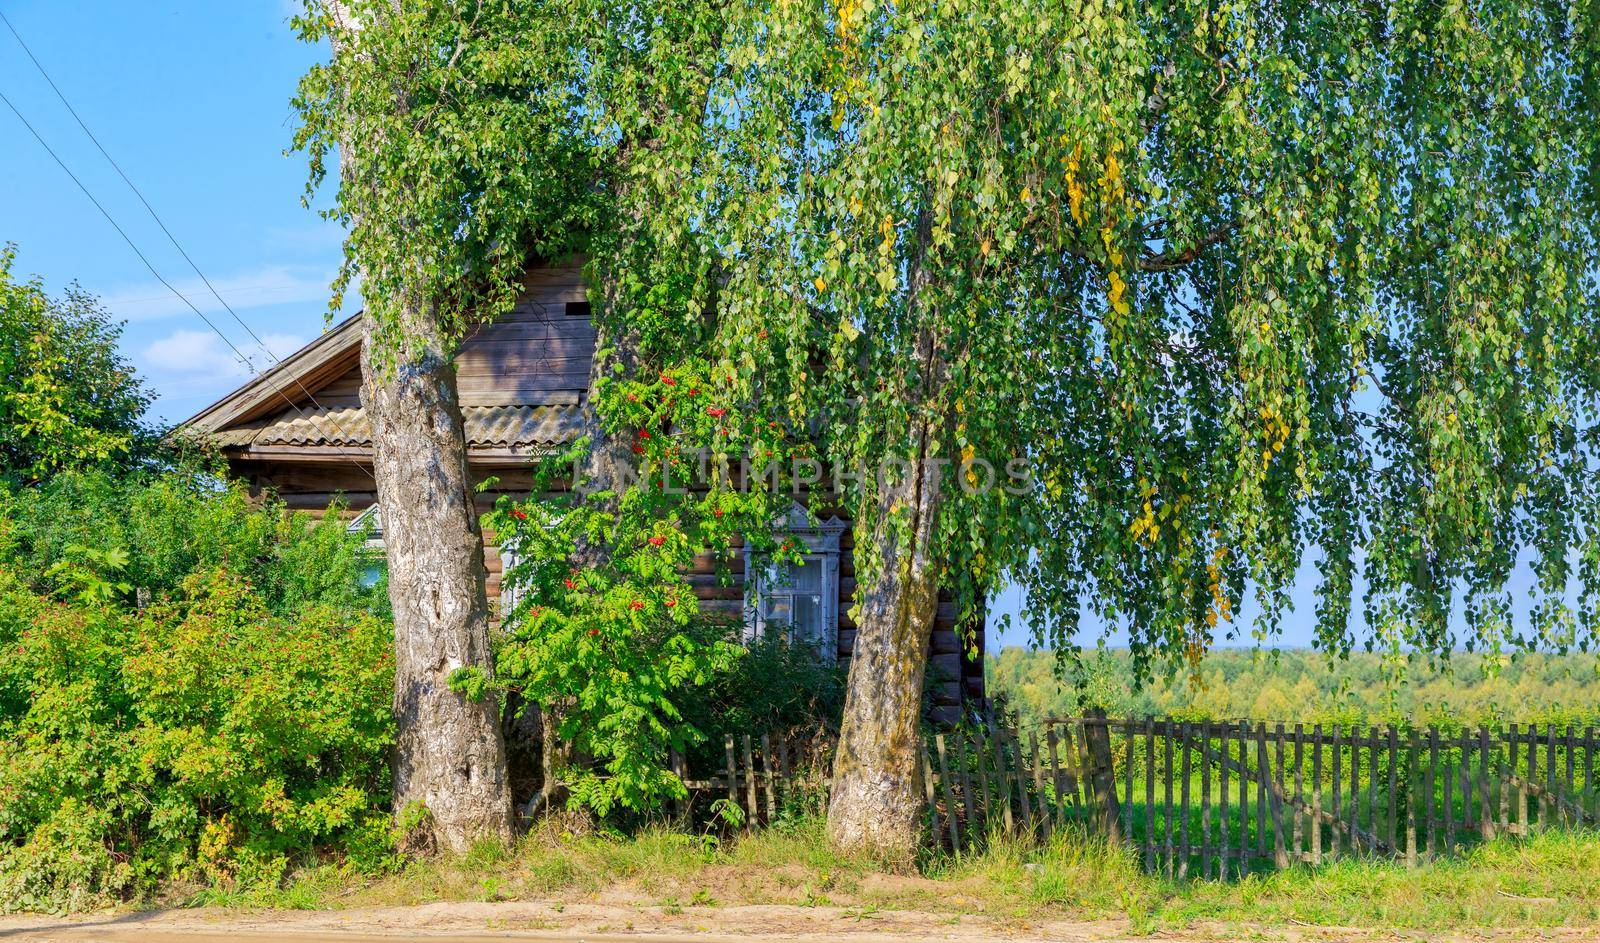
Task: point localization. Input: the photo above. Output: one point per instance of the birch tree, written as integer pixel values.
(451, 178)
(1244, 284)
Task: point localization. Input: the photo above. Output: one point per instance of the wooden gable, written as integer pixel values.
(521, 380)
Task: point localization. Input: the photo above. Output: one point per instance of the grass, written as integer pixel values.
(1549, 880)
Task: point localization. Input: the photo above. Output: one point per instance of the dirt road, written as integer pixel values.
(593, 923)
(600, 923)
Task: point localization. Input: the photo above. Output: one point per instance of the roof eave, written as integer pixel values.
(272, 386)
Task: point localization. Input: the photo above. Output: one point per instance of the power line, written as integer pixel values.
(170, 237)
(158, 276)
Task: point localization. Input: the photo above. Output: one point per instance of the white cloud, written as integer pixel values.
(270, 285)
(187, 355)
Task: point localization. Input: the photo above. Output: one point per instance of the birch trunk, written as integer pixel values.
(876, 803)
(449, 753)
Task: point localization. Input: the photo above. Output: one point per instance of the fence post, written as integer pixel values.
(949, 796)
(733, 772)
(679, 805)
(1102, 773)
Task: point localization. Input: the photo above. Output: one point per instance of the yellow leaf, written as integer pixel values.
(820, 285)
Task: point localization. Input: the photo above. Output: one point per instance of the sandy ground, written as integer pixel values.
(598, 923)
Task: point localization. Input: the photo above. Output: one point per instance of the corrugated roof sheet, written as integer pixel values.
(486, 426)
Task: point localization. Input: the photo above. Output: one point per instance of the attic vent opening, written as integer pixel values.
(577, 309)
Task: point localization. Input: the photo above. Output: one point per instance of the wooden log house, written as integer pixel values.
(299, 430)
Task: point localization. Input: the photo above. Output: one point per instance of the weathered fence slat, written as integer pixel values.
(769, 788)
(1058, 797)
(1243, 853)
(1335, 759)
(1374, 761)
(1412, 778)
(1485, 808)
(1316, 794)
(1167, 786)
(1224, 824)
(1002, 776)
(750, 784)
(1589, 770)
(951, 813)
(980, 759)
(1022, 782)
(1205, 800)
(733, 775)
(1394, 768)
(1040, 798)
(967, 796)
(1355, 787)
(1183, 800)
(1449, 820)
(1149, 793)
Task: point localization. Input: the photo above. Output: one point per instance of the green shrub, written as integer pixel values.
(181, 522)
(236, 723)
(776, 688)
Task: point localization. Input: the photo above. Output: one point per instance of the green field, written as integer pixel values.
(1301, 686)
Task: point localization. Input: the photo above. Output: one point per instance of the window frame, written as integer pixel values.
(821, 541)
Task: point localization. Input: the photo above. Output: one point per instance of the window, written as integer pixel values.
(798, 602)
(577, 309)
(791, 600)
(370, 524)
(510, 592)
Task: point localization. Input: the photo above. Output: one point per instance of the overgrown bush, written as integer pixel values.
(193, 688)
(182, 522)
(608, 635)
(776, 688)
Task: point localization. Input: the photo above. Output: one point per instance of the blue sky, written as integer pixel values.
(192, 99)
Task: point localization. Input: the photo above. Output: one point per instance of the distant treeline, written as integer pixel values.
(1301, 686)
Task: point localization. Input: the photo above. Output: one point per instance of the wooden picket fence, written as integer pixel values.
(1229, 798)
(1204, 798)
(757, 777)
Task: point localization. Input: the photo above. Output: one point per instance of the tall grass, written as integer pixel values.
(1551, 879)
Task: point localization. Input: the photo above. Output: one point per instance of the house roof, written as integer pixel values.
(508, 427)
(521, 382)
(284, 384)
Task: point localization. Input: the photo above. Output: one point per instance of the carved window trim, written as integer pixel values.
(821, 540)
